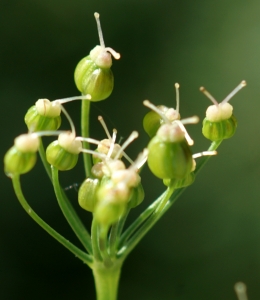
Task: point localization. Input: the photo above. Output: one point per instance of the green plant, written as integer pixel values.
(111, 190)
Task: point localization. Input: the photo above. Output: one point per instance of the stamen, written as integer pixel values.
(191, 120)
(187, 137)
(140, 161)
(177, 86)
(204, 153)
(112, 143)
(128, 158)
(101, 120)
(113, 52)
(99, 155)
(240, 289)
(205, 92)
(47, 133)
(237, 89)
(73, 130)
(101, 39)
(148, 104)
(88, 140)
(132, 137)
(65, 100)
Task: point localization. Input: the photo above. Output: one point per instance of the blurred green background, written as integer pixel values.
(210, 238)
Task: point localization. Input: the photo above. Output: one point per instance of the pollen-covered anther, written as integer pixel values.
(27, 142)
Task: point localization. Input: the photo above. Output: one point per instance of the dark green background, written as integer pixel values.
(210, 239)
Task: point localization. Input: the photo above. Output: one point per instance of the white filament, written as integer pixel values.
(205, 92)
(101, 39)
(140, 161)
(204, 153)
(237, 89)
(177, 86)
(88, 140)
(113, 52)
(148, 104)
(187, 137)
(132, 137)
(73, 130)
(112, 143)
(65, 100)
(101, 120)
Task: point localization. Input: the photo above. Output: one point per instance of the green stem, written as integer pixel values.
(85, 109)
(154, 217)
(137, 223)
(125, 245)
(107, 280)
(83, 232)
(115, 233)
(103, 232)
(70, 214)
(113, 239)
(95, 240)
(204, 159)
(72, 248)
(44, 160)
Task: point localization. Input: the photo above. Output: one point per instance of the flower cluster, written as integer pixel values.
(111, 189)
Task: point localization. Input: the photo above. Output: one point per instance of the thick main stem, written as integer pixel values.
(107, 280)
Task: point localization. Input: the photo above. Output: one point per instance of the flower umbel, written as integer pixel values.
(112, 186)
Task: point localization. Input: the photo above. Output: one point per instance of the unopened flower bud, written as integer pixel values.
(92, 74)
(108, 212)
(21, 158)
(137, 196)
(63, 153)
(160, 115)
(220, 122)
(44, 115)
(87, 194)
(170, 155)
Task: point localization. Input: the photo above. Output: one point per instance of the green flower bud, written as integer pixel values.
(220, 122)
(160, 115)
(216, 131)
(169, 153)
(108, 212)
(137, 196)
(111, 201)
(43, 116)
(92, 74)
(21, 158)
(63, 153)
(152, 121)
(87, 194)
(91, 79)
